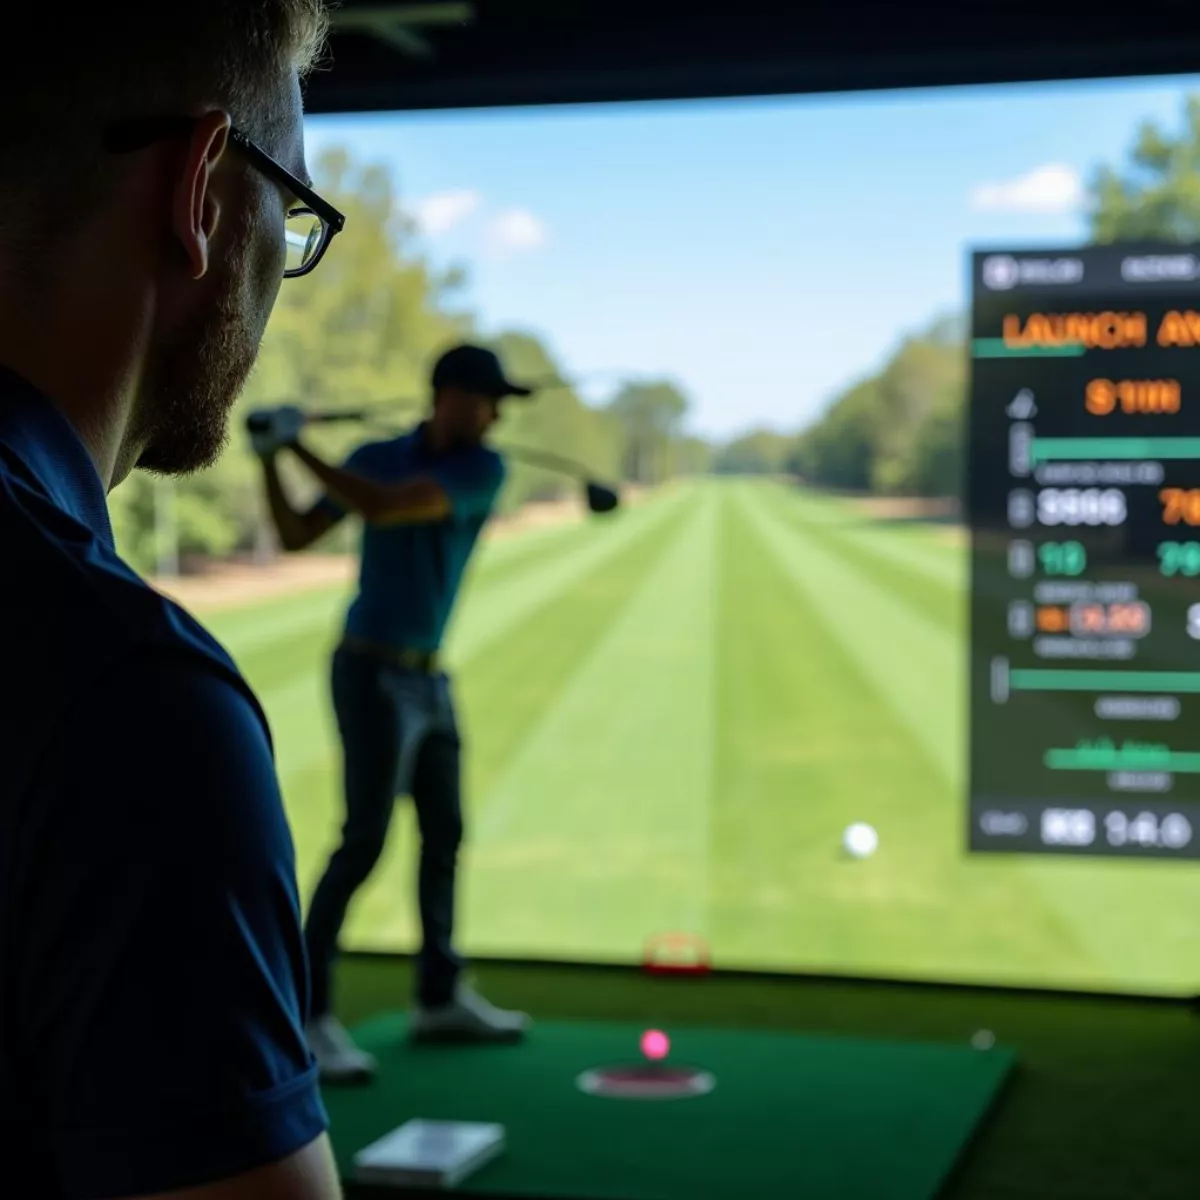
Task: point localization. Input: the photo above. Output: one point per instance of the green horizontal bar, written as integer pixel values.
(1059, 449)
(998, 348)
(1037, 680)
(1181, 762)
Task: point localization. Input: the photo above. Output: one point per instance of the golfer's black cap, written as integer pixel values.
(474, 369)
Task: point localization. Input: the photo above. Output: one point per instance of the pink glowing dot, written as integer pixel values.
(655, 1044)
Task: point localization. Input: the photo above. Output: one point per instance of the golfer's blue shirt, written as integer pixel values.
(153, 981)
(410, 574)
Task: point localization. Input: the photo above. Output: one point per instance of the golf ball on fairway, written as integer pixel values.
(655, 1044)
(860, 840)
(983, 1039)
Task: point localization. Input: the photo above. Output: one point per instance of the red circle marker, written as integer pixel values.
(655, 1044)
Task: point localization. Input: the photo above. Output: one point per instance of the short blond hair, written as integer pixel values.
(66, 77)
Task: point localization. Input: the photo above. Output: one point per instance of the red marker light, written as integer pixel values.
(655, 1044)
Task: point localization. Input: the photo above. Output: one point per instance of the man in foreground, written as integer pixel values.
(152, 969)
(424, 498)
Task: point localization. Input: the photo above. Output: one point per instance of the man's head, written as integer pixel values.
(468, 385)
(157, 258)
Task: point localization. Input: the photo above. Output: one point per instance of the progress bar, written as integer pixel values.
(1034, 680)
(998, 348)
(1177, 762)
(1061, 449)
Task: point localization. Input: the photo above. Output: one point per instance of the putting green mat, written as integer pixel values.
(789, 1116)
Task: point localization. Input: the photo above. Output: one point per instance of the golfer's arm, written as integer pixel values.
(297, 530)
(412, 502)
(308, 1174)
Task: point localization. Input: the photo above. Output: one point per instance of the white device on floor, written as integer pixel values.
(430, 1154)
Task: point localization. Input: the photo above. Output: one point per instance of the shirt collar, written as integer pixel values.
(36, 433)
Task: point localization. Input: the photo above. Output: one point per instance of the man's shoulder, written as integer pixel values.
(383, 454)
(72, 608)
(484, 460)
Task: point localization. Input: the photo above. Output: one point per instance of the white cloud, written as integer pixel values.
(515, 230)
(441, 212)
(1052, 188)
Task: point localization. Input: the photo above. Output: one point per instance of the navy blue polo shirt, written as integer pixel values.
(153, 983)
(410, 574)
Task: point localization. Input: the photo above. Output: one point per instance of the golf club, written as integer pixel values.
(599, 497)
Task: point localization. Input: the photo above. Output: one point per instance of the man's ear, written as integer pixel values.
(197, 209)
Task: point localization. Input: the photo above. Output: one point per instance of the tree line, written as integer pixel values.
(364, 331)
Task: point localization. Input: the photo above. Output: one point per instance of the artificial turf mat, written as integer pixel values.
(790, 1115)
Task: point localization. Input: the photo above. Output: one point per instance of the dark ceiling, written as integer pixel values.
(494, 52)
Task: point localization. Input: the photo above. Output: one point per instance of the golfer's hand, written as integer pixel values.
(259, 425)
(271, 429)
(288, 422)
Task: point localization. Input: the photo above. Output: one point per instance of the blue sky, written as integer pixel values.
(762, 253)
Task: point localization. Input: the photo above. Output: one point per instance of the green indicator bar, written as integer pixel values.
(1037, 680)
(1123, 760)
(1061, 449)
(996, 348)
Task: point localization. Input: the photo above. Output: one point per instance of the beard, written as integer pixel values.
(196, 378)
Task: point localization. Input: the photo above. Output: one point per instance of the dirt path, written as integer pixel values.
(943, 515)
(222, 585)
(229, 584)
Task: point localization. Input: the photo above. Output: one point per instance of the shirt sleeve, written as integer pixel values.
(471, 481)
(357, 461)
(162, 989)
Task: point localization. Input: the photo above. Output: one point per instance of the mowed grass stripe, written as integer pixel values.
(603, 814)
(502, 551)
(505, 694)
(928, 595)
(509, 552)
(808, 742)
(491, 605)
(914, 663)
(918, 547)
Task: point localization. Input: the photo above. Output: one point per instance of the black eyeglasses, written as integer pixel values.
(311, 225)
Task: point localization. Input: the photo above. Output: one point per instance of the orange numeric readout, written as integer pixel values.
(1181, 506)
(1097, 620)
(1132, 396)
(1053, 619)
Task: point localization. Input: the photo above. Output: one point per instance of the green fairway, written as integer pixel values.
(670, 717)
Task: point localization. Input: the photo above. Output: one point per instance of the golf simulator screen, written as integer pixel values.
(887, 662)
(1084, 509)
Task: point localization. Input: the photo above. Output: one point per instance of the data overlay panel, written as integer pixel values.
(1083, 498)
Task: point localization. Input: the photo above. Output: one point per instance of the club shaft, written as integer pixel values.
(547, 459)
(527, 454)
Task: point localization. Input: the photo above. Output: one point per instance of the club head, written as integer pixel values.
(601, 499)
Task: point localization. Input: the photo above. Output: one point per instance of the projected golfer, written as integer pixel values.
(424, 497)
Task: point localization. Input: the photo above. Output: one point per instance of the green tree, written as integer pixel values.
(897, 432)
(927, 374)
(690, 456)
(651, 415)
(760, 452)
(1155, 196)
(838, 450)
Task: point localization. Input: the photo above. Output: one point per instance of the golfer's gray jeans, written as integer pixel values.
(399, 737)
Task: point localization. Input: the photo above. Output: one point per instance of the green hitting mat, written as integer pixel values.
(788, 1116)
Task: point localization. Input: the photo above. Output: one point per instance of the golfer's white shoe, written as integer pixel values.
(468, 1018)
(339, 1060)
